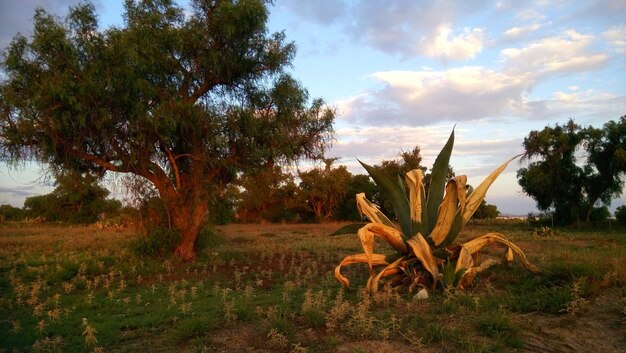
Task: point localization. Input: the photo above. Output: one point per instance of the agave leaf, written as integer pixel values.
(438, 181)
(465, 259)
(447, 211)
(375, 259)
(393, 236)
(372, 212)
(391, 269)
(476, 197)
(423, 252)
(457, 224)
(348, 229)
(396, 195)
(473, 246)
(367, 233)
(417, 197)
(508, 257)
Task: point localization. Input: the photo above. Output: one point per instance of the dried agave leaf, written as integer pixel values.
(372, 212)
(391, 269)
(475, 245)
(476, 197)
(393, 236)
(447, 212)
(508, 257)
(423, 252)
(417, 199)
(374, 259)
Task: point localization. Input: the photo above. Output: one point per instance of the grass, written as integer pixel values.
(271, 288)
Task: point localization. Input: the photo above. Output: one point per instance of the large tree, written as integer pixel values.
(184, 99)
(572, 186)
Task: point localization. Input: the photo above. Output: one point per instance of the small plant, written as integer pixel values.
(543, 232)
(428, 225)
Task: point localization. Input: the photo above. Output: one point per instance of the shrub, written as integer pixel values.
(156, 242)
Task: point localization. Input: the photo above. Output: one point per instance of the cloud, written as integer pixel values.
(445, 45)
(568, 52)
(322, 11)
(17, 16)
(616, 37)
(403, 27)
(426, 97)
(515, 33)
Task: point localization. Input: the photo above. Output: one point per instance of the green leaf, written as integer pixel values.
(438, 182)
(348, 229)
(396, 195)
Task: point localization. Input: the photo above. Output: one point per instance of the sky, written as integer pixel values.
(402, 73)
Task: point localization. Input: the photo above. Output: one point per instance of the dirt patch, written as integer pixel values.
(597, 329)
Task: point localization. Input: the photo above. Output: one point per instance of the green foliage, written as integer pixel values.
(600, 214)
(10, 213)
(76, 199)
(620, 214)
(558, 181)
(322, 190)
(486, 211)
(156, 242)
(268, 194)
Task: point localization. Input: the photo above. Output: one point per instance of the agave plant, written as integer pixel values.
(428, 225)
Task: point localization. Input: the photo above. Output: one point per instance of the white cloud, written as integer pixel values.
(445, 45)
(427, 97)
(616, 37)
(569, 52)
(514, 33)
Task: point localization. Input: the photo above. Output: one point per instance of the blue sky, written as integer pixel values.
(402, 73)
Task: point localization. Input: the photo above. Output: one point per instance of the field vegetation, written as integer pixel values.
(270, 288)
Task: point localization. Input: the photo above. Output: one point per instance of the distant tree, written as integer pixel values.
(269, 194)
(620, 214)
(185, 100)
(347, 209)
(76, 199)
(486, 211)
(11, 213)
(323, 189)
(600, 214)
(558, 180)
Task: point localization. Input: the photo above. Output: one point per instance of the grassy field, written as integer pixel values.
(270, 288)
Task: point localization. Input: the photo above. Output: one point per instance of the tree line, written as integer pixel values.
(273, 194)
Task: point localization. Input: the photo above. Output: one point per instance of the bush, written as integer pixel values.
(156, 242)
(207, 238)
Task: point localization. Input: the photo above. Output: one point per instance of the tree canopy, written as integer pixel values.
(186, 101)
(563, 181)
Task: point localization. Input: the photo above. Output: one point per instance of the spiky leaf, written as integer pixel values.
(438, 181)
(396, 195)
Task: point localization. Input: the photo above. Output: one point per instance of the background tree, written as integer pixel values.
(186, 101)
(76, 199)
(11, 213)
(486, 211)
(347, 209)
(323, 189)
(620, 214)
(573, 188)
(269, 195)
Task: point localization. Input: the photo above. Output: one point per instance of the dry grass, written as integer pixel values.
(270, 287)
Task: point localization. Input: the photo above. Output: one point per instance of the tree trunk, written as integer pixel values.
(189, 220)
